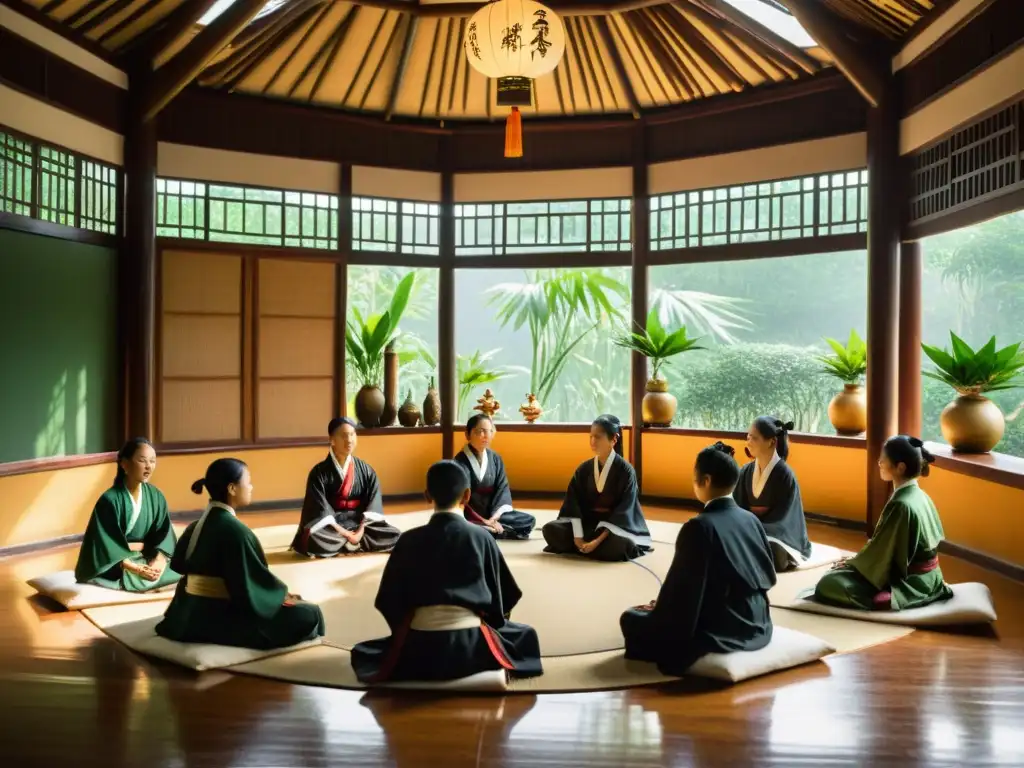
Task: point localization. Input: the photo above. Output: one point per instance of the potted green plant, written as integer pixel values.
(365, 342)
(658, 345)
(972, 423)
(848, 410)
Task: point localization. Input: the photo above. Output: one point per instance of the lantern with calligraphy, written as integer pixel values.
(514, 41)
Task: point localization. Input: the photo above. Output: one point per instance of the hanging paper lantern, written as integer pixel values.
(514, 42)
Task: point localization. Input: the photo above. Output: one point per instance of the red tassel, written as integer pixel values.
(514, 134)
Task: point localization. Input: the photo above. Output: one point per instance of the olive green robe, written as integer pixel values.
(110, 533)
(886, 573)
(253, 615)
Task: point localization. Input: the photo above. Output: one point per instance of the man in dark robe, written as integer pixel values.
(342, 511)
(715, 596)
(490, 502)
(446, 594)
(601, 517)
(774, 496)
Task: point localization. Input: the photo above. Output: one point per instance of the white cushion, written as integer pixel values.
(141, 636)
(63, 588)
(495, 680)
(788, 648)
(823, 554)
(971, 604)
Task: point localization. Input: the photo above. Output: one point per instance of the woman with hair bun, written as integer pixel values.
(898, 568)
(715, 595)
(601, 516)
(228, 595)
(768, 488)
(129, 539)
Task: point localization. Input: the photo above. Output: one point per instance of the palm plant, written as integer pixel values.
(850, 362)
(474, 371)
(367, 338)
(716, 316)
(657, 344)
(971, 372)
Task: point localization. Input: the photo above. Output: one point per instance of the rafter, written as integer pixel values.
(793, 52)
(267, 43)
(169, 80)
(605, 31)
(298, 46)
(859, 66)
(403, 61)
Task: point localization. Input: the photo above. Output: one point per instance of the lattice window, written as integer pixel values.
(979, 161)
(542, 227)
(57, 174)
(773, 210)
(180, 209)
(16, 175)
(97, 186)
(381, 224)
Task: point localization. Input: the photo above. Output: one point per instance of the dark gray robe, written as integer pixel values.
(346, 501)
(715, 595)
(492, 496)
(447, 562)
(780, 510)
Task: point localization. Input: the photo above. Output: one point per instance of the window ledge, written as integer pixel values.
(994, 467)
(52, 463)
(797, 438)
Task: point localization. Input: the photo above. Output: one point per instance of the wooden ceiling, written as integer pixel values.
(403, 59)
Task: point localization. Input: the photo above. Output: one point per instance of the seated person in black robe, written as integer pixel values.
(715, 595)
(227, 594)
(768, 488)
(490, 503)
(342, 511)
(446, 594)
(601, 516)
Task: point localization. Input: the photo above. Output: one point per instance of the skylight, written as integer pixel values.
(222, 5)
(779, 22)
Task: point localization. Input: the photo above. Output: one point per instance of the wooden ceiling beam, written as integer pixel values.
(282, 32)
(739, 19)
(734, 36)
(126, 22)
(620, 68)
(302, 41)
(170, 79)
(151, 45)
(346, 25)
(861, 68)
(403, 62)
(701, 47)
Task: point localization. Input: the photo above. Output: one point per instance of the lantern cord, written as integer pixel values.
(514, 134)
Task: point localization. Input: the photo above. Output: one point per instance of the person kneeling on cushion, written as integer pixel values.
(715, 596)
(446, 593)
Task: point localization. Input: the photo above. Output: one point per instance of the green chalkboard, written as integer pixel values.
(58, 347)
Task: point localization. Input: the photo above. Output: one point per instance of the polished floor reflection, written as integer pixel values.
(70, 696)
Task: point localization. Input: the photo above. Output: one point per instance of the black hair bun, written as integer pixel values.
(781, 427)
(197, 486)
(916, 442)
(726, 449)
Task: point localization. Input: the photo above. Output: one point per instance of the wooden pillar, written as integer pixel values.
(446, 303)
(641, 242)
(911, 268)
(341, 286)
(138, 268)
(884, 205)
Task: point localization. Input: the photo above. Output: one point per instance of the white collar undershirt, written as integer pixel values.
(601, 475)
(761, 477)
(479, 466)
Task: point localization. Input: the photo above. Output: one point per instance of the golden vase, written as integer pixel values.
(972, 424)
(658, 407)
(848, 410)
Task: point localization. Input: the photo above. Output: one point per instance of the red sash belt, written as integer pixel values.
(343, 499)
(602, 510)
(472, 516)
(924, 566)
(482, 489)
(759, 510)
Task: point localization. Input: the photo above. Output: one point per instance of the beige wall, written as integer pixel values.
(41, 121)
(582, 184)
(371, 181)
(65, 49)
(994, 85)
(187, 162)
(837, 153)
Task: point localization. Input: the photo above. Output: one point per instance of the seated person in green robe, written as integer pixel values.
(899, 567)
(715, 595)
(228, 595)
(129, 539)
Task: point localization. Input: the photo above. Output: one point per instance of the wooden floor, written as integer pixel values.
(70, 697)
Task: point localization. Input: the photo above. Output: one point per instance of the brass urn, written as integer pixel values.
(658, 407)
(972, 424)
(409, 413)
(848, 410)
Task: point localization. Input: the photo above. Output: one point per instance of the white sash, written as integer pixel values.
(443, 618)
(479, 466)
(601, 475)
(199, 526)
